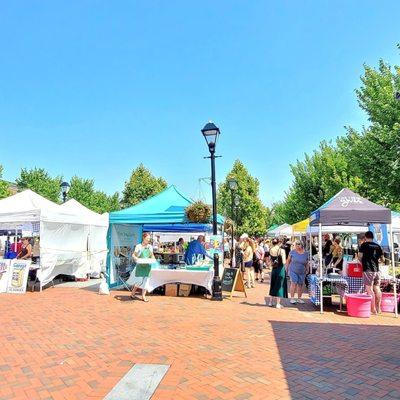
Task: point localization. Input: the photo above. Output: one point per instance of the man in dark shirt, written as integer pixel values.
(327, 249)
(370, 253)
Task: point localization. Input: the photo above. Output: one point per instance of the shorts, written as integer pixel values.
(248, 264)
(371, 278)
(258, 266)
(297, 278)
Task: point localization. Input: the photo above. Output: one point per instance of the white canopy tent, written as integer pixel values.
(63, 232)
(282, 230)
(97, 238)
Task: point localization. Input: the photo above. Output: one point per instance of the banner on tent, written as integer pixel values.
(4, 271)
(18, 276)
(215, 245)
(124, 238)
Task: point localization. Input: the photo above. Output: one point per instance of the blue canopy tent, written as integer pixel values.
(164, 212)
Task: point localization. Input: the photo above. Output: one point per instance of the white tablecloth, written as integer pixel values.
(159, 277)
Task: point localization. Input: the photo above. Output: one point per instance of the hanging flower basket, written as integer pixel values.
(198, 212)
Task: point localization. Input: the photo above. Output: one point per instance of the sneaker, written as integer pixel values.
(279, 306)
(270, 305)
(300, 301)
(293, 301)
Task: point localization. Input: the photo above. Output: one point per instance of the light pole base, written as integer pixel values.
(217, 289)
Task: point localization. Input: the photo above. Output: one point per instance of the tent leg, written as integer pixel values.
(393, 270)
(321, 298)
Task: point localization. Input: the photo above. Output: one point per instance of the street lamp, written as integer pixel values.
(211, 133)
(65, 186)
(233, 185)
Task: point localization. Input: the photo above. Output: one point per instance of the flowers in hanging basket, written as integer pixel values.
(198, 212)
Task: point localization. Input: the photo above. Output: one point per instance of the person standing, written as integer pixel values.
(248, 251)
(278, 287)
(337, 254)
(327, 249)
(195, 250)
(142, 250)
(259, 261)
(26, 250)
(370, 253)
(297, 264)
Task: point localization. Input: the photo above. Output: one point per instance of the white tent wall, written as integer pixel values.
(63, 250)
(97, 249)
(73, 239)
(97, 237)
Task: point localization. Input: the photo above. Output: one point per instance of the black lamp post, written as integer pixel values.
(65, 186)
(211, 133)
(233, 185)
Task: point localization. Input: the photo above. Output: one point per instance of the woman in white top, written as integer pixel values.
(142, 250)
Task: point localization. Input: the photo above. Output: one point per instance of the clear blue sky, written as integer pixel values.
(93, 88)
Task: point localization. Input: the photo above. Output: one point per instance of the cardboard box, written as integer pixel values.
(184, 289)
(171, 289)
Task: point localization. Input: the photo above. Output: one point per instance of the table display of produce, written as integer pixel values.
(341, 285)
(201, 274)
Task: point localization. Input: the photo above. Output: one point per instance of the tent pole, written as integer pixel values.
(320, 269)
(393, 269)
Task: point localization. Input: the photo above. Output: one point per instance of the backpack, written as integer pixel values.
(275, 259)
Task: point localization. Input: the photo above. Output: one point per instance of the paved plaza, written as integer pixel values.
(71, 343)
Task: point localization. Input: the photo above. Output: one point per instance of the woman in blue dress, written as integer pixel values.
(297, 263)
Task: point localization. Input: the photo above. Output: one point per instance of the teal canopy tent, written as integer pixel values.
(164, 212)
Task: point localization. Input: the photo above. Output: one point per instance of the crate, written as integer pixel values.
(171, 289)
(184, 289)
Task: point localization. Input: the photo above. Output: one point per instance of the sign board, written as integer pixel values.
(232, 281)
(215, 245)
(18, 276)
(4, 270)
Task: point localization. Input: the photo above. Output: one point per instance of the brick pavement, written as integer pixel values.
(74, 344)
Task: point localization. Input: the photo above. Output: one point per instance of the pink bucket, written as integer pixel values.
(388, 303)
(359, 305)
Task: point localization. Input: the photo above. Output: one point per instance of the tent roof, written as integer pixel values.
(166, 207)
(284, 229)
(28, 207)
(73, 206)
(349, 208)
(272, 227)
(301, 226)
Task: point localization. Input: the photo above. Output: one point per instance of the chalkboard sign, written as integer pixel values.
(232, 281)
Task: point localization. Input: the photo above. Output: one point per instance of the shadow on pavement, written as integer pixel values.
(335, 361)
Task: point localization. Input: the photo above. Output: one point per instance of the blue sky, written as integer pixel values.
(93, 88)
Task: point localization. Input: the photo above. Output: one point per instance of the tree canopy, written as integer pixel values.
(38, 180)
(366, 161)
(4, 191)
(141, 185)
(83, 191)
(251, 215)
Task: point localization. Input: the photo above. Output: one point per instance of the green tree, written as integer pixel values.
(38, 180)
(83, 190)
(251, 216)
(375, 151)
(141, 185)
(315, 180)
(4, 191)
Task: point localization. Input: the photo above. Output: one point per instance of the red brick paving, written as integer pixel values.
(74, 344)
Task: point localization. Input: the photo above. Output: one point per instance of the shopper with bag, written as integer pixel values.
(278, 287)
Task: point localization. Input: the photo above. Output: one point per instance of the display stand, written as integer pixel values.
(232, 281)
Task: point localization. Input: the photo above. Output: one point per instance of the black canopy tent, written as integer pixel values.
(350, 209)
